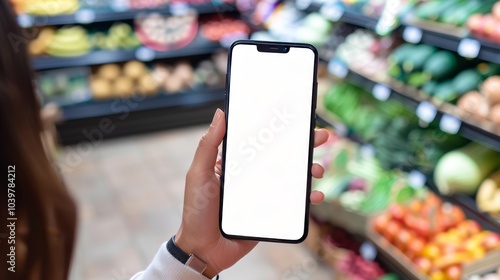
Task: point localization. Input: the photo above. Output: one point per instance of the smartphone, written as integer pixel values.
(267, 150)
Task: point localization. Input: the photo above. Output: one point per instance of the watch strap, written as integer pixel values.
(190, 260)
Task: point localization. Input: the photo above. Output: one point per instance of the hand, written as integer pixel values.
(199, 232)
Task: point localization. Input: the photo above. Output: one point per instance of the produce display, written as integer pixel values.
(484, 103)
(453, 12)
(50, 7)
(215, 29)
(488, 195)
(391, 129)
(64, 87)
(166, 32)
(134, 77)
(435, 236)
(486, 26)
(75, 40)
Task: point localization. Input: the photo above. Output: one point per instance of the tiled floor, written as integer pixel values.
(129, 192)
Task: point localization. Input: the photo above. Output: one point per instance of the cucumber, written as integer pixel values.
(418, 79)
(441, 65)
(401, 53)
(466, 81)
(430, 87)
(460, 15)
(446, 92)
(432, 10)
(418, 57)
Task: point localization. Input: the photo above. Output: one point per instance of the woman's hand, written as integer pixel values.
(199, 232)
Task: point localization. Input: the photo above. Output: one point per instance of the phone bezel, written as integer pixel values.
(311, 136)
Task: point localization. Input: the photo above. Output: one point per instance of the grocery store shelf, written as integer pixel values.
(487, 51)
(84, 15)
(93, 109)
(137, 115)
(467, 203)
(467, 129)
(199, 46)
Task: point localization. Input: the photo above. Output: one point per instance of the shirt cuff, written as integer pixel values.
(166, 266)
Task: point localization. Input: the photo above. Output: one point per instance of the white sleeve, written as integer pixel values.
(166, 267)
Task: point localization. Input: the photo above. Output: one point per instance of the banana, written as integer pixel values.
(52, 7)
(488, 195)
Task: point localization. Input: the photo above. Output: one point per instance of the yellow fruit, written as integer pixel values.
(109, 72)
(101, 89)
(135, 69)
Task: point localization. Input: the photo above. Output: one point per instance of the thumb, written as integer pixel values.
(208, 147)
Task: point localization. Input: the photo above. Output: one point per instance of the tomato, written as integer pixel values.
(402, 239)
(472, 227)
(423, 264)
(416, 206)
(392, 230)
(453, 272)
(416, 246)
(398, 212)
(380, 223)
(431, 251)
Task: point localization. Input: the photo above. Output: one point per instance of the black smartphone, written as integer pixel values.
(267, 150)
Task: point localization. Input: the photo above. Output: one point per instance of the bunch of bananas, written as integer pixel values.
(66, 41)
(51, 7)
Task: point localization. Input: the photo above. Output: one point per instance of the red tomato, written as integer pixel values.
(380, 223)
(416, 206)
(402, 239)
(423, 264)
(392, 230)
(416, 246)
(398, 212)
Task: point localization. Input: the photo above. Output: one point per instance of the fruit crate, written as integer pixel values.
(333, 212)
(486, 264)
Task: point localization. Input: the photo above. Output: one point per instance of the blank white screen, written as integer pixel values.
(267, 144)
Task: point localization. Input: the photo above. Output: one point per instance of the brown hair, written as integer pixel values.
(46, 215)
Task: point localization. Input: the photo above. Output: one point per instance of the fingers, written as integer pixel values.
(317, 171)
(206, 153)
(320, 137)
(316, 197)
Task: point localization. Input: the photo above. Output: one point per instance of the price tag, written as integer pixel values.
(381, 92)
(303, 4)
(332, 11)
(337, 68)
(412, 34)
(416, 179)
(367, 151)
(450, 124)
(144, 54)
(25, 21)
(469, 48)
(426, 111)
(368, 251)
(228, 39)
(85, 16)
(179, 9)
(119, 5)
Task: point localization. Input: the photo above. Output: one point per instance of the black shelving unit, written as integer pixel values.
(104, 16)
(199, 46)
(138, 115)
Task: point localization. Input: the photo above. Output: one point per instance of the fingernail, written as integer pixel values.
(217, 117)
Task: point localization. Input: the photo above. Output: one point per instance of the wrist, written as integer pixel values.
(189, 248)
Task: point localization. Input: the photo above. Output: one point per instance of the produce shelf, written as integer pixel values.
(411, 99)
(139, 115)
(116, 15)
(199, 46)
(488, 51)
(467, 203)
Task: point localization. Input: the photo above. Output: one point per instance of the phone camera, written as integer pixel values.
(285, 49)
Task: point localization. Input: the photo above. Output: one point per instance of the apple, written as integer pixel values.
(491, 241)
(453, 272)
(423, 264)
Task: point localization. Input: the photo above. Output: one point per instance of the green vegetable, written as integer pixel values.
(430, 87)
(418, 79)
(401, 53)
(463, 170)
(416, 60)
(432, 10)
(459, 14)
(466, 81)
(446, 92)
(441, 65)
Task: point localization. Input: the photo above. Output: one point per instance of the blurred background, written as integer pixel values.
(409, 90)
